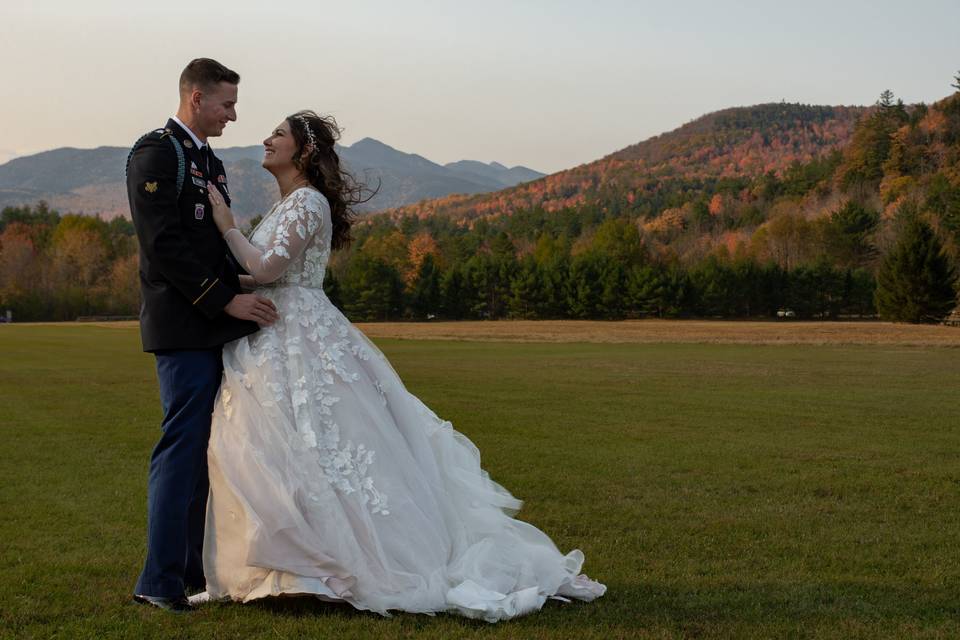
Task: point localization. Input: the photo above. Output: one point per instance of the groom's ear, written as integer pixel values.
(194, 97)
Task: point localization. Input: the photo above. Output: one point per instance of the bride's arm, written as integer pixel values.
(300, 218)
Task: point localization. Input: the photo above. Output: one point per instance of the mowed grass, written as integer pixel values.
(724, 491)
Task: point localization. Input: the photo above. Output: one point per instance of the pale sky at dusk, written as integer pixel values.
(549, 85)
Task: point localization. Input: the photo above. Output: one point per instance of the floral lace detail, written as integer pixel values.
(303, 353)
(225, 396)
(304, 213)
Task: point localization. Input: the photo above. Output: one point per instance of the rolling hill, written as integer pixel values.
(733, 143)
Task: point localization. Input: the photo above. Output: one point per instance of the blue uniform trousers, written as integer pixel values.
(178, 483)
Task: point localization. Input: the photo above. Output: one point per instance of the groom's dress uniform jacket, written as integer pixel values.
(186, 274)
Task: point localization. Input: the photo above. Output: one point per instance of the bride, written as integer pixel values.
(328, 477)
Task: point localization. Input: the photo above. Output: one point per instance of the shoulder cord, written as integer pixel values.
(181, 160)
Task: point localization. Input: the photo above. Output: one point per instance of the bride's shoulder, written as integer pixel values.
(312, 198)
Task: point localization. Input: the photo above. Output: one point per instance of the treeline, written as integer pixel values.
(612, 277)
(59, 267)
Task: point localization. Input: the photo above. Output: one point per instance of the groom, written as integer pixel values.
(191, 306)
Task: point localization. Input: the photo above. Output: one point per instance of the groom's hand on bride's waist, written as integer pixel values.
(249, 306)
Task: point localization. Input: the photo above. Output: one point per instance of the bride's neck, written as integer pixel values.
(290, 180)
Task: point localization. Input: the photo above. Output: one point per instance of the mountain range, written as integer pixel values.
(92, 180)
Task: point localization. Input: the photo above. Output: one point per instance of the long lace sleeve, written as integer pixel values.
(299, 219)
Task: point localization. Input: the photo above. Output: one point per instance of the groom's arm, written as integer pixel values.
(152, 188)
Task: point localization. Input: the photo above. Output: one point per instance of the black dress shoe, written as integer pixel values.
(176, 605)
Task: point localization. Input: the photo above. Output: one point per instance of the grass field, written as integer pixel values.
(719, 490)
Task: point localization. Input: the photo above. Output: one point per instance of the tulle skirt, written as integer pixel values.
(327, 477)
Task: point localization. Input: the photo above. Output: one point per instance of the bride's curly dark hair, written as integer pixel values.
(323, 170)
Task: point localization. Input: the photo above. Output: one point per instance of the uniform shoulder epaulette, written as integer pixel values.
(178, 150)
(156, 134)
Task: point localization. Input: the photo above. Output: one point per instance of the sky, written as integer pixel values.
(544, 84)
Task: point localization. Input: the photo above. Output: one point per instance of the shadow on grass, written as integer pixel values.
(290, 606)
(691, 607)
(806, 604)
(300, 607)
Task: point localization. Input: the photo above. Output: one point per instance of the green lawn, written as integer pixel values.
(719, 491)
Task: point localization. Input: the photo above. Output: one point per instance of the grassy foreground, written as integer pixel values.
(720, 491)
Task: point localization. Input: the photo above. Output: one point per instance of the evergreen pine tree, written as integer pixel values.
(331, 287)
(425, 298)
(916, 282)
(453, 302)
(372, 290)
(886, 99)
(526, 290)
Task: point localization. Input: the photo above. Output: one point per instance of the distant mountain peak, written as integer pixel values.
(493, 172)
(371, 143)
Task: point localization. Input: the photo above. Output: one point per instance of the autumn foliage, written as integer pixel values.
(55, 267)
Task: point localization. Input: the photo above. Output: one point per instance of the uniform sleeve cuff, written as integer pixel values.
(214, 298)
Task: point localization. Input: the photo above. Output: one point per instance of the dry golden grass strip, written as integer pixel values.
(664, 331)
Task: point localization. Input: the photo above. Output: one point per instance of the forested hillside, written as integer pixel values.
(745, 212)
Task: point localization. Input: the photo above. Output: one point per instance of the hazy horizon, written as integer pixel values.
(544, 85)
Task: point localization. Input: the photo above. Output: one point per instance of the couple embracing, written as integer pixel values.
(292, 459)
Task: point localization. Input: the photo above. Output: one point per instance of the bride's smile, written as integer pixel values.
(279, 148)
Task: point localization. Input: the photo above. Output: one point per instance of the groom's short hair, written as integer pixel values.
(205, 74)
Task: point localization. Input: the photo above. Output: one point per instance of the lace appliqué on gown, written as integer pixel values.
(293, 253)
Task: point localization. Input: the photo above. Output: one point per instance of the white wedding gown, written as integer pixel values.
(327, 477)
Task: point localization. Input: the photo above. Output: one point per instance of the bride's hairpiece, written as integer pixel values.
(306, 127)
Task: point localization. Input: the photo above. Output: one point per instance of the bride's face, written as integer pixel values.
(279, 148)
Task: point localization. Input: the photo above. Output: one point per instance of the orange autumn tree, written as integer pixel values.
(421, 245)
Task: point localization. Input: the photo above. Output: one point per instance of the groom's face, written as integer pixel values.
(216, 107)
